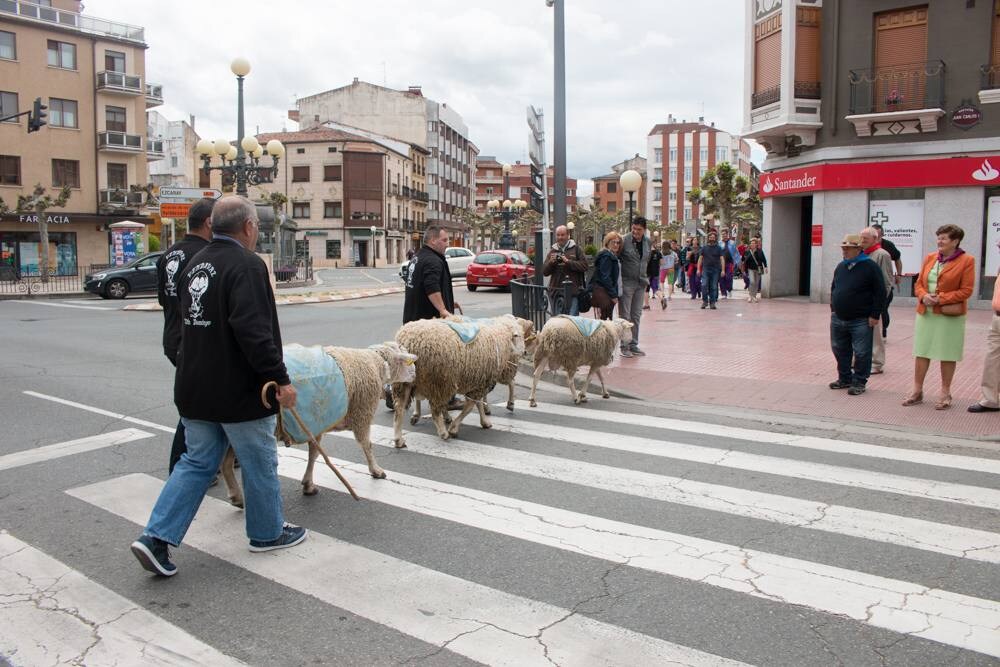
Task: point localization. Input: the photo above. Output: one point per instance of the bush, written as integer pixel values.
(590, 249)
(154, 243)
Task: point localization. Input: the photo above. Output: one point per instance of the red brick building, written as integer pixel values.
(608, 194)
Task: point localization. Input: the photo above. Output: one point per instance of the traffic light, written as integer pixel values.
(37, 117)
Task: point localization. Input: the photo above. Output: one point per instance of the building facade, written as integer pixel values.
(342, 184)
(410, 117)
(608, 194)
(91, 74)
(176, 140)
(874, 111)
(679, 155)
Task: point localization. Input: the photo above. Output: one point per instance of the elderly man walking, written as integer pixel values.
(230, 347)
(565, 261)
(634, 260)
(871, 247)
(857, 297)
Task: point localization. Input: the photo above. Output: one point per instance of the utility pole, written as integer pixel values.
(559, 145)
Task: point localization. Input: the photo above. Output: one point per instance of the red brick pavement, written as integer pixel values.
(775, 356)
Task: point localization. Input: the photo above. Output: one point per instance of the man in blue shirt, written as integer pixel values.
(732, 260)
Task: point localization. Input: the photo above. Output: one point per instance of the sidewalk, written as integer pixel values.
(775, 356)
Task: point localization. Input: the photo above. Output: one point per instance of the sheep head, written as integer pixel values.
(622, 329)
(399, 364)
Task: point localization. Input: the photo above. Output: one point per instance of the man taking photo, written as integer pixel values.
(565, 261)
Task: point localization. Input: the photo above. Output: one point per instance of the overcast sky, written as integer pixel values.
(629, 63)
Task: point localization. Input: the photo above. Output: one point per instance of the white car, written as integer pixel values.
(458, 260)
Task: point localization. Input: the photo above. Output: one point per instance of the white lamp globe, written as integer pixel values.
(249, 144)
(240, 66)
(257, 152)
(630, 180)
(274, 148)
(204, 147)
(231, 153)
(506, 203)
(221, 146)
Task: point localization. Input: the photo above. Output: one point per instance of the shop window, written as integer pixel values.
(300, 174)
(300, 210)
(991, 256)
(22, 252)
(332, 172)
(65, 173)
(61, 54)
(333, 249)
(10, 170)
(767, 61)
(900, 211)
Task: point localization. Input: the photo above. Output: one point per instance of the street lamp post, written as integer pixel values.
(374, 229)
(630, 181)
(234, 158)
(506, 239)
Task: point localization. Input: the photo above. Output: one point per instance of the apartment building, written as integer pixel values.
(342, 182)
(91, 74)
(874, 111)
(680, 153)
(608, 194)
(408, 116)
(175, 141)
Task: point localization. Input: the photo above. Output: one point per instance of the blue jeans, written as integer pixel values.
(852, 340)
(710, 285)
(574, 306)
(184, 490)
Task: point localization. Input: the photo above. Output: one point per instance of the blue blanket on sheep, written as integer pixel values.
(586, 325)
(467, 329)
(322, 393)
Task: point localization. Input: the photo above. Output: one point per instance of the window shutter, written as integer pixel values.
(995, 55)
(900, 41)
(807, 52)
(767, 54)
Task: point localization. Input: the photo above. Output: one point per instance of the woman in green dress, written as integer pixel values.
(942, 290)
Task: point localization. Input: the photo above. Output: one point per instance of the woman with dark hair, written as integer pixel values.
(942, 290)
(605, 284)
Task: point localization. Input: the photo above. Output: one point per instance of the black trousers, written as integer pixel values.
(178, 447)
(885, 314)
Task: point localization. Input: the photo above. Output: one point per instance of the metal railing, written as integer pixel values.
(537, 303)
(68, 19)
(808, 90)
(897, 88)
(765, 97)
(121, 197)
(297, 271)
(154, 149)
(119, 141)
(119, 82)
(154, 94)
(15, 282)
(989, 77)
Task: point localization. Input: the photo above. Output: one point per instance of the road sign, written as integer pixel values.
(535, 153)
(168, 210)
(187, 195)
(536, 123)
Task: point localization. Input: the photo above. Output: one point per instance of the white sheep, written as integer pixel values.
(446, 367)
(365, 372)
(562, 345)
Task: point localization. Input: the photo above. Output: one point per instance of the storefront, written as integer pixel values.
(76, 241)
(808, 210)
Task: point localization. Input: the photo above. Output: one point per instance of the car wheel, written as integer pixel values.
(116, 289)
(471, 288)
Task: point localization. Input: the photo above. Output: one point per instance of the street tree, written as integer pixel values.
(37, 203)
(722, 194)
(277, 201)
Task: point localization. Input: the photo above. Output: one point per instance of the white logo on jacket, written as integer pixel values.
(199, 279)
(173, 263)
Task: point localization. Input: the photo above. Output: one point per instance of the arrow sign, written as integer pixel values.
(187, 195)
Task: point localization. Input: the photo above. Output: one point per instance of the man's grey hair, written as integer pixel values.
(230, 213)
(870, 231)
(562, 227)
(431, 233)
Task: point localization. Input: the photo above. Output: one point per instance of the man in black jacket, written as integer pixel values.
(230, 347)
(428, 284)
(857, 298)
(565, 262)
(169, 270)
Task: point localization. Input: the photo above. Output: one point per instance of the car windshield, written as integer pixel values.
(490, 258)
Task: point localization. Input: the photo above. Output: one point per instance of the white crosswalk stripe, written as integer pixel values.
(58, 450)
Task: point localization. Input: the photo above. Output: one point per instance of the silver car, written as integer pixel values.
(458, 260)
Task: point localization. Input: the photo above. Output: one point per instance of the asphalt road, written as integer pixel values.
(610, 533)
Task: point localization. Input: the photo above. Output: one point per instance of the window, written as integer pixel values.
(114, 61)
(332, 172)
(65, 172)
(658, 173)
(333, 249)
(673, 174)
(900, 40)
(8, 105)
(117, 176)
(767, 60)
(300, 210)
(720, 154)
(703, 155)
(702, 170)
(300, 175)
(687, 213)
(673, 196)
(658, 155)
(62, 113)
(673, 155)
(204, 178)
(612, 207)
(658, 194)
(173, 160)
(300, 151)
(114, 119)
(333, 209)
(688, 154)
(62, 54)
(807, 51)
(687, 174)
(10, 170)
(612, 188)
(332, 149)
(8, 45)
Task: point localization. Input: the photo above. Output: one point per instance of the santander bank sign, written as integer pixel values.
(941, 172)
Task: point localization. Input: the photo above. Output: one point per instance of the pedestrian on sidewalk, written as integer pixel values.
(668, 264)
(652, 274)
(565, 261)
(732, 256)
(230, 347)
(857, 296)
(897, 262)
(606, 281)
(942, 289)
(682, 264)
(694, 261)
(871, 247)
(742, 250)
(169, 270)
(634, 262)
(711, 266)
(754, 266)
(989, 400)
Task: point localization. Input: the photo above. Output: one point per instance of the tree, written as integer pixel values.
(277, 200)
(37, 203)
(722, 193)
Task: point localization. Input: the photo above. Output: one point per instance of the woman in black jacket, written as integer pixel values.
(607, 276)
(754, 266)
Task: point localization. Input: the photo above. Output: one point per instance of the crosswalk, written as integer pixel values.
(570, 535)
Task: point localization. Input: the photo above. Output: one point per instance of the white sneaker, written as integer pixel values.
(749, 299)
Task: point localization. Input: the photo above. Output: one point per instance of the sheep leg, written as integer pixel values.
(510, 397)
(484, 414)
(437, 415)
(361, 434)
(600, 376)
(571, 383)
(586, 384)
(308, 487)
(401, 397)
(539, 369)
(415, 417)
(457, 421)
(232, 484)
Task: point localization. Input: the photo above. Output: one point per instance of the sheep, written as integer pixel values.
(561, 345)
(365, 372)
(446, 366)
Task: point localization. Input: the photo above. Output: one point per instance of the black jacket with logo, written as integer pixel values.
(231, 343)
(428, 274)
(169, 270)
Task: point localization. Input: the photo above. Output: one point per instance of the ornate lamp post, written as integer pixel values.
(630, 181)
(509, 210)
(234, 158)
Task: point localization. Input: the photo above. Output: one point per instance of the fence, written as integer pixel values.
(299, 270)
(535, 303)
(25, 283)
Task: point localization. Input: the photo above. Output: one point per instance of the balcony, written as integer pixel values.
(989, 86)
(154, 95)
(765, 97)
(782, 125)
(72, 20)
(121, 198)
(154, 149)
(119, 142)
(118, 83)
(902, 99)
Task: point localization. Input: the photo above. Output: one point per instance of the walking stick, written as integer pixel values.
(313, 440)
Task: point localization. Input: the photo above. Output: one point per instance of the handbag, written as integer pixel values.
(583, 297)
(952, 309)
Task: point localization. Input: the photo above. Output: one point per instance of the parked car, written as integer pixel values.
(117, 282)
(458, 260)
(496, 268)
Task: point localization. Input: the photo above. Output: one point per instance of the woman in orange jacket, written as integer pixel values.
(942, 290)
